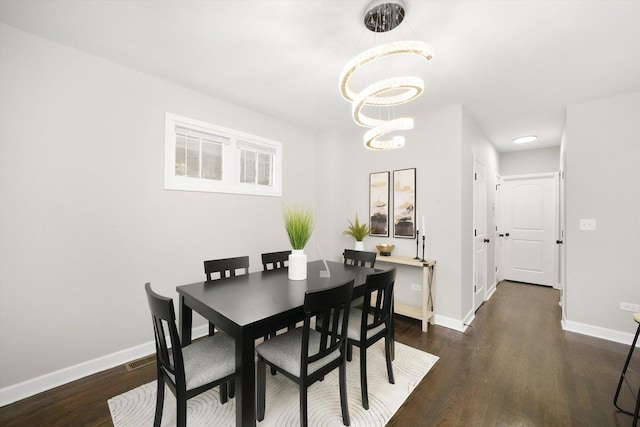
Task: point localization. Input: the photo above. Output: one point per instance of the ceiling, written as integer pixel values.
(515, 65)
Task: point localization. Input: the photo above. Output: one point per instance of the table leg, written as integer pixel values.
(245, 382)
(185, 321)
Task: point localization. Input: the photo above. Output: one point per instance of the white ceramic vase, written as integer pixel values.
(359, 246)
(297, 265)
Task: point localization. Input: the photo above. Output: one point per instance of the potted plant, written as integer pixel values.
(299, 225)
(358, 231)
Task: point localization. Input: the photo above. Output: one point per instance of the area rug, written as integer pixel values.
(136, 407)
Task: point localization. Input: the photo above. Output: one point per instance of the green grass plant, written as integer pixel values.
(299, 224)
(357, 230)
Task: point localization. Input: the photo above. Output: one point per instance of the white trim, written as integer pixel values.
(492, 290)
(450, 323)
(469, 318)
(31, 387)
(530, 175)
(230, 182)
(599, 332)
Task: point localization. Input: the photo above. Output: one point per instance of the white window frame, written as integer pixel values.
(230, 182)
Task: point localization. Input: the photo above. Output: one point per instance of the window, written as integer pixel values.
(202, 157)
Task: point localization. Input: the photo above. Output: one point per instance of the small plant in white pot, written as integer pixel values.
(299, 225)
(358, 231)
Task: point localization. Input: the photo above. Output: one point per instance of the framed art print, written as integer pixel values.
(404, 203)
(379, 204)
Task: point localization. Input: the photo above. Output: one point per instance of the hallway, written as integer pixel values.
(515, 366)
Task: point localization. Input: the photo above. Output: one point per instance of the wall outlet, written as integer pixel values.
(627, 306)
(588, 224)
(416, 287)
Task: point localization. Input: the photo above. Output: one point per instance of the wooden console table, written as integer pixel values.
(426, 311)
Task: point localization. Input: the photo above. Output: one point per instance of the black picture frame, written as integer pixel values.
(404, 203)
(379, 204)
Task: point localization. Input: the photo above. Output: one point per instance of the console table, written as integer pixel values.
(426, 311)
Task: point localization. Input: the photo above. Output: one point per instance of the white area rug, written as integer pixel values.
(136, 407)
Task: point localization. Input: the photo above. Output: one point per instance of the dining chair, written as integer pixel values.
(275, 260)
(305, 355)
(361, 258)
(224, 268)
(372, 323)
(191, 370)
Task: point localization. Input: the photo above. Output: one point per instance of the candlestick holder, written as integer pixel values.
(417, 243)
(423, 243)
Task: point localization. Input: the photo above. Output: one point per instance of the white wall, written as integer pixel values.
(602, 182)
(84, 219)
(530, 161)
(441, 149)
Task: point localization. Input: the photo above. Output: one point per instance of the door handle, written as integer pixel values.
(559, 242)
(500, 235)
(506, 234)
(487, 240)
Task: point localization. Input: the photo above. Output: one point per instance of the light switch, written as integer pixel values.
(588, 224)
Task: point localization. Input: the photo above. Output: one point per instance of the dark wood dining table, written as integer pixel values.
(249, 306)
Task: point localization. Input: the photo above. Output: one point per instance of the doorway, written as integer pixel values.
(480, 238)
(530, 222)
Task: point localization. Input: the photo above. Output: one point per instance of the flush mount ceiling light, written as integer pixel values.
(525, 139)
(384, 16)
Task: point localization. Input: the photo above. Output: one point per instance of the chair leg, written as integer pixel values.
(392, 326)
(232, 389)
(349, 352)
(224, 393)
(624, 372)
(635, 417)
(181, 403)
(212, 329)
(159, 402)
(261, 378)
(344, 404)
(388, 352)
(303, 405)
(363, 375)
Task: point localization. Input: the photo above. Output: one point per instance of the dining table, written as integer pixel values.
(250, 306)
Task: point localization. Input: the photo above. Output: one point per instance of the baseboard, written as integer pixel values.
(471, 315)
(599, 332)
(31, 387)
(492, 290)
(450, 323)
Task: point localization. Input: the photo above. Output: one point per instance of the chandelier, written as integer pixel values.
(383, 16)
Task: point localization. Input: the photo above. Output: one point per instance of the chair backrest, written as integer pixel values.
(331, 308)
(164, 324)
(225, 267)
(361, 258)
(377, 310)
(275, 260)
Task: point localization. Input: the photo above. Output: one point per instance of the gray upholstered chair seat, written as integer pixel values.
(285, 350)
(208, 359)
(353, 327)
(355, 318)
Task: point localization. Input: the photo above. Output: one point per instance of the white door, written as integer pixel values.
(499, 212)
(480, 239)
(529, 242)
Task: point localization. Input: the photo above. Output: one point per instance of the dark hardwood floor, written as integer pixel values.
(513, 367)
